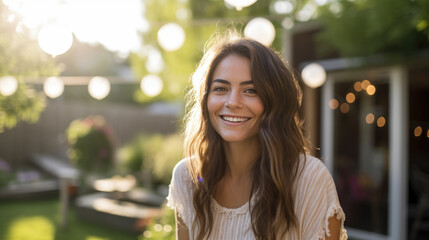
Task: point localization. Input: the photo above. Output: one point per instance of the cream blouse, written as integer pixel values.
(315, 196)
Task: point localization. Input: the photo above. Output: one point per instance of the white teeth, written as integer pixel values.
(234, 119)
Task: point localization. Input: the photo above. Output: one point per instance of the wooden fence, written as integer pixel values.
(47, 136)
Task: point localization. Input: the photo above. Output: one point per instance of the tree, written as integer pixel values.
(366, 27)
(22, 58)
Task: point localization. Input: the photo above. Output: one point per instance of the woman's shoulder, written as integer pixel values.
(181, 166)
(313, 169)
(309, 162)
(181, 171)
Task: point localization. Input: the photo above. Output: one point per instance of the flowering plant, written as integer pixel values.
(91, 144)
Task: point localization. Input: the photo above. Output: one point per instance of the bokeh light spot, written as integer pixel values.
(55, 40)
(350, 98)
(314, 75)
(261, 30)
(53, 87)
(171, 37)
(370, 90)
(365, 84)
(151, 85)
(418, 131)
(99, 87)
(369, 118)
(333, 104)
(8, 85)
(344, 108)
(381, 121)
(357, 86)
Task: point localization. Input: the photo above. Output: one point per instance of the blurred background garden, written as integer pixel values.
(92, 95)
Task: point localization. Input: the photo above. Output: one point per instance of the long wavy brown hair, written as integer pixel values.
(281, 139)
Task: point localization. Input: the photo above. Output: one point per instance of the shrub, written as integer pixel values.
(155, 154)
(91, 144)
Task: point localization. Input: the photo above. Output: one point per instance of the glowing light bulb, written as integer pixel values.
(369, 118)
(55, 40)
(283, 7)
(8, 85)
(418, 131)
(381, 121)
(171, 37)
(314, 75)
(151, 85)
(333, 104)
(357, 86)
(261, 30)
(99, 87)
(53, 87)
(365, 84)
(344, 108)
(370, 90)
(240, 4)
(350, 98)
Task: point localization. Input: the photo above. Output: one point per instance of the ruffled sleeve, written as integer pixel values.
(317, 201)
(180, 193)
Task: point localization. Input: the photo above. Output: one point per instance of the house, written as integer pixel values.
(370, 120)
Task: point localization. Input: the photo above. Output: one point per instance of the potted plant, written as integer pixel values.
(91, 147)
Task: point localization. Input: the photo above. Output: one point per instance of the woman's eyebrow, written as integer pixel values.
(228, 83)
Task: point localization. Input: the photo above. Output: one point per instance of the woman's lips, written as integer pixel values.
(234, 120)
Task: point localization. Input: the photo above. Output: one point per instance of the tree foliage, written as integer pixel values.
(22, 58)
(24, 105)
(365, 27)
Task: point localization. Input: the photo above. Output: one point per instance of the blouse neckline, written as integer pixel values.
(235, 211)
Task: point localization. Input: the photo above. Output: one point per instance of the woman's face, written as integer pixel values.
(233, 104)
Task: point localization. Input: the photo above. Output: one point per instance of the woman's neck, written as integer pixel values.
(234, 189)
(241, 156)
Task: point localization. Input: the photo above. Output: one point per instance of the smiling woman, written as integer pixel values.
(234, 107)
(247, 174)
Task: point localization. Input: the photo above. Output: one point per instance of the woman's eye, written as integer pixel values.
(219, 89)
(250, 90)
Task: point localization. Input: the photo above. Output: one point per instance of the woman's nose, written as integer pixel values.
(234, 100)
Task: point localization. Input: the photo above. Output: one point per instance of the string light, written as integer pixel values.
(370, 90)
(350, 98)
(369, 118)
(314, 75)
(240, 4)
(333, 104)
(344, 108)
(151, 85)
(8, 85)
(53, 87)
(171, 37)
(381, 121)
(261, 30)
(357, 86)
(365, 84)
(55, 40)
(418, 131)
(99, 87)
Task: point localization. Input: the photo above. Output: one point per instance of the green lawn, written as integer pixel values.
(39, 220)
